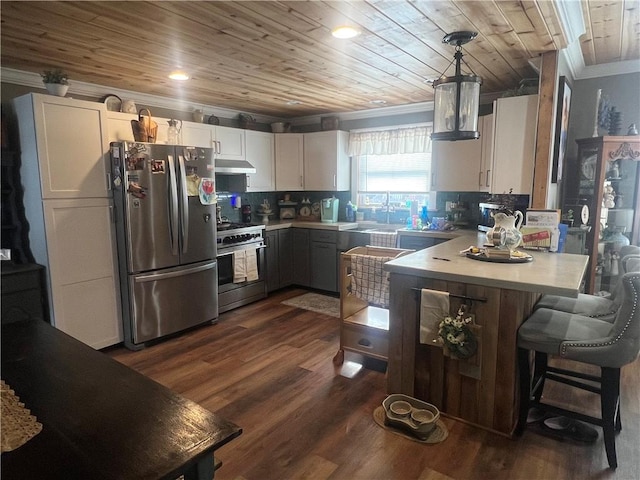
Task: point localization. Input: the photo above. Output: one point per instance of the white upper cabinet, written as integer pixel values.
(67, 141)
(197, 135)
(486, 162)
(260, 153)
(289, 161)
(516, 120)
(230, 143)
(326, 163)
(455, 165)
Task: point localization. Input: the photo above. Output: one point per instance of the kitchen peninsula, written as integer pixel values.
(480, 390)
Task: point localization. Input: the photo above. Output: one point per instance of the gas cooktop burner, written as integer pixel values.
(232, 226)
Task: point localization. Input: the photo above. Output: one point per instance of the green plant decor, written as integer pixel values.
(456, 335)
(55, 76)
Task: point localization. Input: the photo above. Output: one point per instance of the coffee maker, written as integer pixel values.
(329, 209)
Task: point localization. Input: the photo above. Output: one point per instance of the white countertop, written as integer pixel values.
(338, 226)
(555, 273)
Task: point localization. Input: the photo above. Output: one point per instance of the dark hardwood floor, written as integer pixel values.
(268, 368)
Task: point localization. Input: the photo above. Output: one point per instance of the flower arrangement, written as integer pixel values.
(456, 335)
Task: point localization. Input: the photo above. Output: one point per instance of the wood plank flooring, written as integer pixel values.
(268, 368)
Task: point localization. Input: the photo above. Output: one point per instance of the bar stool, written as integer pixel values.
(594, 305)
(583, 339)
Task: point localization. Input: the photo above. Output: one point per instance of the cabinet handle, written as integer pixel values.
(335, 180)
(112, 214)
(109, 182)
(248, 180)
(301, 181)
(487, 179)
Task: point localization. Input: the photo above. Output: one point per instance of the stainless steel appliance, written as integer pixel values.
(238, 237)
(166, 232)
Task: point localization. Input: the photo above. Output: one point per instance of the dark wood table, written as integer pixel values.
(101, 419)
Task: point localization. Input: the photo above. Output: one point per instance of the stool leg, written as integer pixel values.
(609, 401)
(539, 373)
(525, 389)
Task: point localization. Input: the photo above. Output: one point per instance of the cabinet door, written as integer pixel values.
(486, 161)
(455, 166)
(197, 135)
(260, 153)
(326, 163)
(230, 143)
(285, 256)
(289, 161)
(514, 144)
(71, 144)
(82, 270)
(271, 259)
(119, 126)
(324, 266)
(301, 264)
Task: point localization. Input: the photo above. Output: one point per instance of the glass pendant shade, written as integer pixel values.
(456, 104)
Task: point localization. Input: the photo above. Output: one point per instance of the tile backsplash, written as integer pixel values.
(255, 199)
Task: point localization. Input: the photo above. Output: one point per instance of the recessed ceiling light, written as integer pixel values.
(378, 102)
(179, 75)
(293, 102)
(345, 31)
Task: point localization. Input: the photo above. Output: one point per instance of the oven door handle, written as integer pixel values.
(231, 253)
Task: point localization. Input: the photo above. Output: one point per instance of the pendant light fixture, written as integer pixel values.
(457, 98)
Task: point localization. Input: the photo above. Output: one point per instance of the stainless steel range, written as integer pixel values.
(233, 242)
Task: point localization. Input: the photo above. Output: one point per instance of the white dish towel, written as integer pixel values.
(239, 266)
(434, 306)
(369, 281)
(383, 239)
(251, 265)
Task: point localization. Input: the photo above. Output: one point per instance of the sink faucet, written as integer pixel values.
(388, 194)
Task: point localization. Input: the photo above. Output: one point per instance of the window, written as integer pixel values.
(404, 177)
(392, 167)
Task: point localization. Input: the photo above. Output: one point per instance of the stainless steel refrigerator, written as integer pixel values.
(166, 232)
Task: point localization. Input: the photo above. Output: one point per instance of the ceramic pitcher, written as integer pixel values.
(511, 225)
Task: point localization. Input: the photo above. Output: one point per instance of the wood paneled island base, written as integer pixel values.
(482, 389)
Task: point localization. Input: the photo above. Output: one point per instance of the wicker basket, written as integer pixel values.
(144, 129)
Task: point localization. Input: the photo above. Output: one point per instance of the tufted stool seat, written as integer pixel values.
(606, 344)
(594, 305)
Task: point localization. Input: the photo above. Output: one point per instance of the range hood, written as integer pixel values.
(233, 167)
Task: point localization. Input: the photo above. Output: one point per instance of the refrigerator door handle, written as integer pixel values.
(153, 277)
(184, 204)
(173, 206)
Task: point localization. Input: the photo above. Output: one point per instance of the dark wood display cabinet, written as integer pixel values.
(605, 176)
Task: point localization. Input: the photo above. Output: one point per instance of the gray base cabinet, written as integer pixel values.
(412, 242)
(324, 260)
(279, 259)
(301, 257)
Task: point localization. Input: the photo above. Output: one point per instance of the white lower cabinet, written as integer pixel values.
(82, 270)
(289, 149)
(260, 153)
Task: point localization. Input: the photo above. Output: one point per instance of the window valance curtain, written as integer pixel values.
(386, 142)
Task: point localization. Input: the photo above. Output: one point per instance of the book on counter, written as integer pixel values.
(498, 253)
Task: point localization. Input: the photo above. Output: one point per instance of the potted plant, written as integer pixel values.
(55, 81)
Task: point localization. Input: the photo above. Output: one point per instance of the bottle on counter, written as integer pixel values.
(351, 213)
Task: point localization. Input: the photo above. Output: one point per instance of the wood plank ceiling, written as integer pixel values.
(259, 56)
